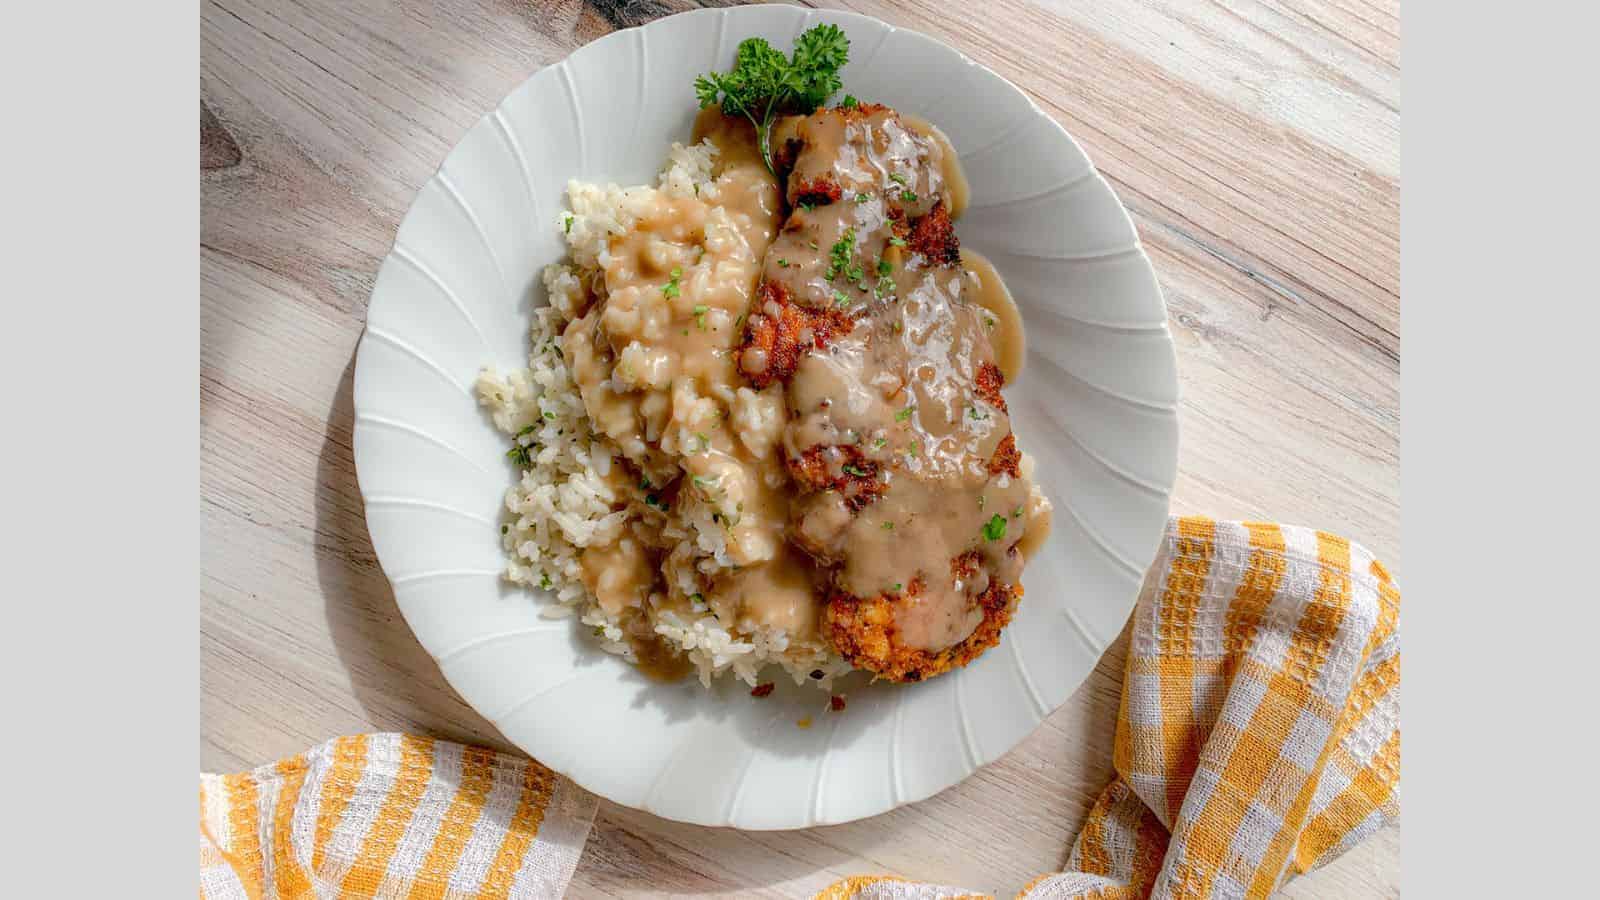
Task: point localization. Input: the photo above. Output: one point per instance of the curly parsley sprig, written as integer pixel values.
(764, 83)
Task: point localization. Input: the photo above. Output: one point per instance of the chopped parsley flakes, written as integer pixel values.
(841, 252)
(995, 528)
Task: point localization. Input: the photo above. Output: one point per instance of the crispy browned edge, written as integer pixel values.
(780, 337)
(862, 630)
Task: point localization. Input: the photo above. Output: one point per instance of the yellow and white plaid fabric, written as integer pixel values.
(389, 815)
(1258, 738)
(1259, 734)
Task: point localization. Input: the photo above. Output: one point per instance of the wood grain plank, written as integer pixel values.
(1255, 143)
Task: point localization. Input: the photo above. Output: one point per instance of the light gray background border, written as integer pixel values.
(99, 359)
(1498, 471)
(1499, 452)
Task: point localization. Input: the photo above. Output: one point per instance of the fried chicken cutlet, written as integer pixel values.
(898, 439)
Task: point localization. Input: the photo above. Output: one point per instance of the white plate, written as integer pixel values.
(1095, 405)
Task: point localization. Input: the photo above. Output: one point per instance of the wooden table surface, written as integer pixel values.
(1255, 143)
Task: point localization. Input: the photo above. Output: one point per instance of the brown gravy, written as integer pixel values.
(957, 191)
(1006, 334)
(897, 398)
(657, 659)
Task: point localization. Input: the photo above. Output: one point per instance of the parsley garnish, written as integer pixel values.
(764, 83)
(908, 196)
(897, 242)
(850, 469)
(863, 197)
(897, 587)
(904, 414)
(545, 582)
(995, 528)
(519, 455)
(783, 263)
(897, 178)
(549, 415)
(840, 298)
(840, 253)
(700, 310)
(878, 444)
(566, 219)
(888, 526)
(671, 289)
(885, 267)
(849, 102)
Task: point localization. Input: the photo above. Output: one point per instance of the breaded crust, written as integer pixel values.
(816, 192)
(1007, 458)
(857, 481)
(779, 338)
(987, 384)
(934, 236)
(863, 630)
(860, 110)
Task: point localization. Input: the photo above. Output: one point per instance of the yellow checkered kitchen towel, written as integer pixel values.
(1258, 738)
(1259, 734)
(390, 815)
